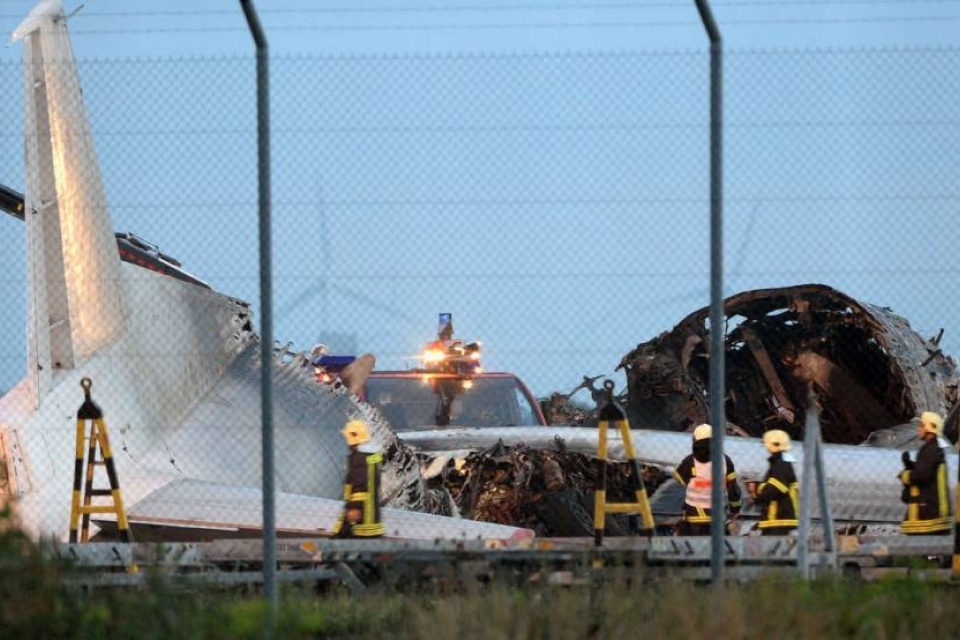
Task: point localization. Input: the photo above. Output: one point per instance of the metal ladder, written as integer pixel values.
(612, 416)
(98, 443)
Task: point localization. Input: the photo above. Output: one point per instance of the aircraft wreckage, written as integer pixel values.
(872, 374)
(185, 423)
(870, 369)
(174, 364)
(525, 476)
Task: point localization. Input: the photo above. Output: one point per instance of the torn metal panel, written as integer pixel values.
(872, 371)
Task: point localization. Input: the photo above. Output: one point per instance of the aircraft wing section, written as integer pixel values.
(466, 439)
(201, 510)
(862, 482)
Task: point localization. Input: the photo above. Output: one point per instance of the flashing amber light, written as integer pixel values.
(432, 356)
(468, 384)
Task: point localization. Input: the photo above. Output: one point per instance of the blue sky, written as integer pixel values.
(538, 169)
(113, 28)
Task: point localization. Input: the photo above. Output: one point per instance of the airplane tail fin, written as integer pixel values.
(74, 293)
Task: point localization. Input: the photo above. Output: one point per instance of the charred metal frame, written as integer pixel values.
(871, 369)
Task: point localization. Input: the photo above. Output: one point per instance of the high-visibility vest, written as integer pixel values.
(700, 487)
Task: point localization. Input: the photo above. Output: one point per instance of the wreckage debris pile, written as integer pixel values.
(558, 409)
(870, 370)
(547, 490)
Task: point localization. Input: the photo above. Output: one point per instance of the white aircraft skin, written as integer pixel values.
(862, 483)
(175, 366)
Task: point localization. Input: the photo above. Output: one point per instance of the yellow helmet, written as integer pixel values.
(356, 432)
(776, 441)
(702, 432)
(932, 422)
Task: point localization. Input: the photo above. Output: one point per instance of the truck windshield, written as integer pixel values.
(413, 403)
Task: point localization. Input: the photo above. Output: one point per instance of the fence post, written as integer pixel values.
(826, 518)
(813, 466)
(717, 351)
(266, 314)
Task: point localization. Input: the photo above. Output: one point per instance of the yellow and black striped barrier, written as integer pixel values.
(612, 417)
(98, 439)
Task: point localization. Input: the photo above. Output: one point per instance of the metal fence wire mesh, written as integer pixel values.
(556, 204)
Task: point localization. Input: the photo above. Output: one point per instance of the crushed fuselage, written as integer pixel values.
(870, 369)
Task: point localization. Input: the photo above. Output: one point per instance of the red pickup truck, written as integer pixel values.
(422, 400)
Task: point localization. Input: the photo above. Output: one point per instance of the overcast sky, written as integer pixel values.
(536, 168)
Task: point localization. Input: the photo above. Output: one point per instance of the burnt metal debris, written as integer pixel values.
(872, 371)
(549, 490)
(558, 408)
(873, 374)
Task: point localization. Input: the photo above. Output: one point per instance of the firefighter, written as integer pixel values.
(695, 473)
(924, 481)
(777, 496)
(361, 488)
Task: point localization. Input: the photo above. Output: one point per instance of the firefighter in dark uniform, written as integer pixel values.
(778, 496)
(925, 488)
(361, 488)
(695, 472)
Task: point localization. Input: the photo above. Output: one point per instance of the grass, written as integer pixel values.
(34, 604)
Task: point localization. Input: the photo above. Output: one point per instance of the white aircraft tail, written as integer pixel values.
(75, 305)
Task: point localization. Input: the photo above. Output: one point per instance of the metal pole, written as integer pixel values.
(826, 517)
(266, 313)
(810, 429)
(717, 346)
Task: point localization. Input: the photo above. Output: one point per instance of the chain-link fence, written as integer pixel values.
(556, 204)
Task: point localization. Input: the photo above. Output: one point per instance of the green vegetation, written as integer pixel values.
(34, 602)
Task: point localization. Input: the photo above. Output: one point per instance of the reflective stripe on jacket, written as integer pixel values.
(928, 495)
(778, 495)
(361, 490)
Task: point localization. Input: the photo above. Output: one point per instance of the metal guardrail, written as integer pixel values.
(226, 563)
(736, 550)
(296, 552)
